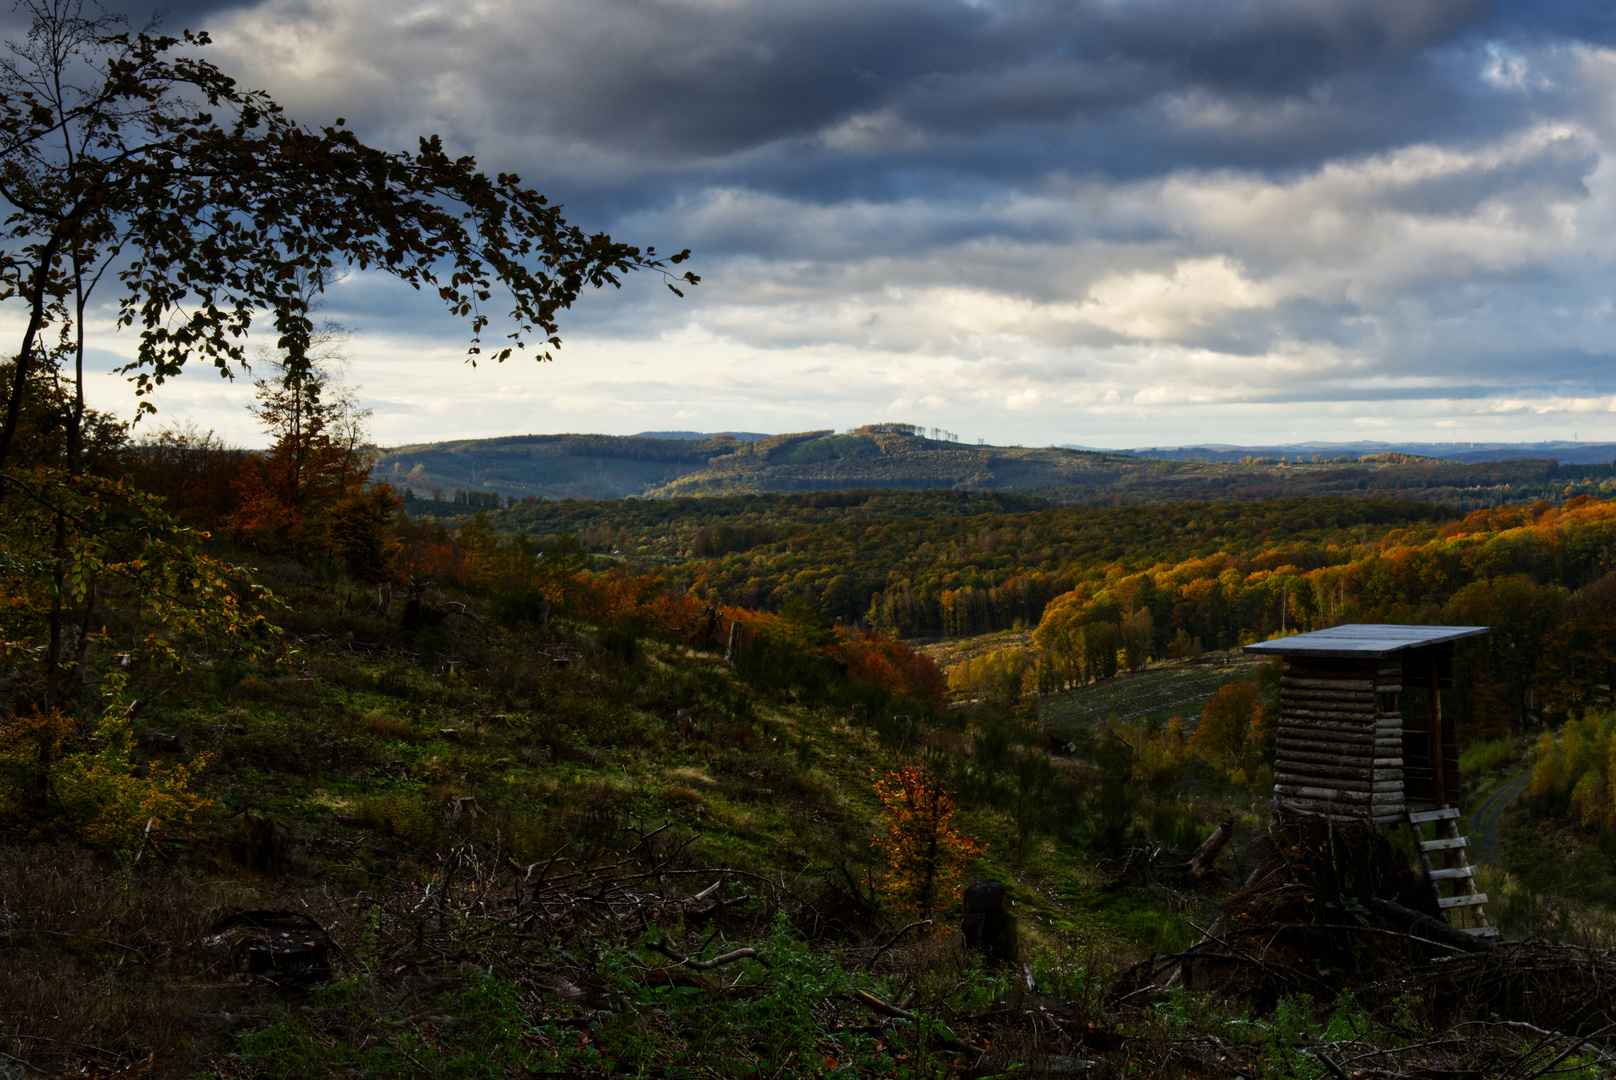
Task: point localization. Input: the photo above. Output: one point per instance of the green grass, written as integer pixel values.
(356, 744)
(1488, 757)
(1154, 693)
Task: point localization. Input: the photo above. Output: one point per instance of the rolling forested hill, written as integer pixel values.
(900, 457)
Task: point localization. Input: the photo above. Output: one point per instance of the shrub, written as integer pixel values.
(387, 727)
(403, 818)
(1487, 756)
(1236, 731)
(93, 792)
(1573, 769)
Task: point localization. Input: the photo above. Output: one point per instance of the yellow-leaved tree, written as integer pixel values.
(1573, 769)
(70, 548)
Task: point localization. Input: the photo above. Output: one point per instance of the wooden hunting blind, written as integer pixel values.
(1350, 747)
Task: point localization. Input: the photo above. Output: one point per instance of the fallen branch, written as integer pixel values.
(864, 997)
(706, 965)
(1429, 927)
(891, 941)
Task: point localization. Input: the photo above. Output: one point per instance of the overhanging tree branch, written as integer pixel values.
(218, 203)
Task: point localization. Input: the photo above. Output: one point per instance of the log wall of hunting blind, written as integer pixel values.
(1340, 739)
(1354, 735)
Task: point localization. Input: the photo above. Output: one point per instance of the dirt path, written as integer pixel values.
(1484, 818)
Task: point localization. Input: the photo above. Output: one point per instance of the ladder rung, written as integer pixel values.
(1456, 872)
(1447, 813)
(1462, 901)
(1480, 931)
(1444, 845)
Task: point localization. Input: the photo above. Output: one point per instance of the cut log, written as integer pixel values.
(1302, 682)
(1350, 741)
(1358, 801)
(1327, 761)
(1328, 794)
(1361, 769)
(1330, 774)
(1200, 863)
(1352, 700)
(1347, 698)
(1347, 743)
(1366, 716)
(1362, 727)
(1325, 754)
(1326, 709)
(1290, 729)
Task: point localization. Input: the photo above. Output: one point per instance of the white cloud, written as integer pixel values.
(1158, 306)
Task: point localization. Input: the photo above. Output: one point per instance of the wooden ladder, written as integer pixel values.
(1469, 904)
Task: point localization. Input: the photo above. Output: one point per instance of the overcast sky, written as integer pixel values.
(1105, 222)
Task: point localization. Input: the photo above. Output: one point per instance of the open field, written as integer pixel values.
(1155, 693)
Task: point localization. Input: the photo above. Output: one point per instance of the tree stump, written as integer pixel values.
(988, 927)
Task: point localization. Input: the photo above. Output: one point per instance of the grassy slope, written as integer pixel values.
(357, 744)
(1153, 694)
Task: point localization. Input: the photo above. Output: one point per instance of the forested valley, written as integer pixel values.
(746, 691)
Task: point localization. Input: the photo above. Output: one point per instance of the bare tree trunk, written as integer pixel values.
(36, 320)
(53, 652)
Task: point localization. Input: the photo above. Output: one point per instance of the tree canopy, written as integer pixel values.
(129, 157)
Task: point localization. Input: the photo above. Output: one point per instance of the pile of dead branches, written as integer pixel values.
(1329, 906)
(1567, 988)
(1334, 913)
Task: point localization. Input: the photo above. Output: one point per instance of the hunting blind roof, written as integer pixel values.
(1364, 640)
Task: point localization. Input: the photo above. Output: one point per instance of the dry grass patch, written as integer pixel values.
(100, 960)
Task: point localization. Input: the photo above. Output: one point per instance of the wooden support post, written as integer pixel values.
(1438, 781)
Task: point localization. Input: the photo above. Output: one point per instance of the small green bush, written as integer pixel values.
(1486, 757)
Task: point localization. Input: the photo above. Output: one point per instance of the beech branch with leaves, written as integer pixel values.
(129, 153)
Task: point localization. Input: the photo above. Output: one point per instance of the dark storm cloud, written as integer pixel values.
(1089, 85)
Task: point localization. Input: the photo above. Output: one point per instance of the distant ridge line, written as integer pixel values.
(1567, 453)
(742, 436)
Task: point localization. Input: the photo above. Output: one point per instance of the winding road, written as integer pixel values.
(1484, 818)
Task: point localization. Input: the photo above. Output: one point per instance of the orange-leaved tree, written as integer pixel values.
(1235, 733)
(880, 662)
(925, 851)
(309, 494)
